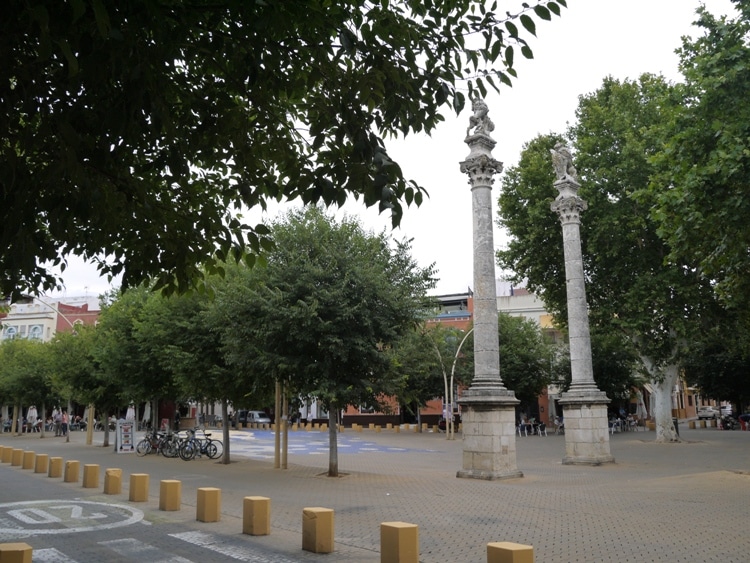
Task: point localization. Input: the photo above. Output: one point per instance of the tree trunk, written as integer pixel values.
(105, 425)
(15, 427)
(225, 459)
(42, 428)
(333, 450)
(663, 381)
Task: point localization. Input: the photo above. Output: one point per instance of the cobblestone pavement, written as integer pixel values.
(682, 502)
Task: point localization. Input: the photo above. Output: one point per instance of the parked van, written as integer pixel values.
(252, 417)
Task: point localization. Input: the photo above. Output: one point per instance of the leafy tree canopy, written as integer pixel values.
(132, 130)
(700, 194)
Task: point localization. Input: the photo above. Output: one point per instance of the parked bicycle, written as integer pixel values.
(199, 446)
(158, 443)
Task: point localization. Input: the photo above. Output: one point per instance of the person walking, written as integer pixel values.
(64, 424)
(57, 420)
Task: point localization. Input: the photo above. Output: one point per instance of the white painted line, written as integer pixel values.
(208, 541)
(51, 555)
(135, 550)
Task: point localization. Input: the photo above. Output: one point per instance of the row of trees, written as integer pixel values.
(664, 168)
(334, 313)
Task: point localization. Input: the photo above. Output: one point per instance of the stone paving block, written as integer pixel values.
(209, 505)
(317, 529)
(256, 516)
(399, 542)
(28, 460)
(15, 553)
(139, 483)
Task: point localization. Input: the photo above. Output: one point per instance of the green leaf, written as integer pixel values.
(528, 24)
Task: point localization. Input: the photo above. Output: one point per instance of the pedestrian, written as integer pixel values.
(57, 420)
(64, 424)
(177, 420)
(31, 417)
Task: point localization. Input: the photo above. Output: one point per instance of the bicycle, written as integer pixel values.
(159, 443)
(195, 446)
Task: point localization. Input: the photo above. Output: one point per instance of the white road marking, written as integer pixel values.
(64, 516)
(51, 555)
(209, 542)
(136, 550)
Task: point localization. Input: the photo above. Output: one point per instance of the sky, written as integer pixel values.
(572, 55)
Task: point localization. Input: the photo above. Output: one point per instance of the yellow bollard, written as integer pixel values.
(256, 516)
(371, 426)
(7, 454)
(55, 467)
(91, 476)
(377, 429)
(397, 428)
(41, 463)
(28, 460)
(17, 457)
(72, 468)
(399, 542)
(113, 481)
(139, 487)
(509, 552)
(407, 427)
(209, 505)
(170, 494)
(388, 425)
(691, 425)
(317, 530)
(15, 553)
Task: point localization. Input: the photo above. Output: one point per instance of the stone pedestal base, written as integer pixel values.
(489, 436)
(586, 430)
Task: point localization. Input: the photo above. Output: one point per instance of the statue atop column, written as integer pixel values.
(480, 120)
(562, 161)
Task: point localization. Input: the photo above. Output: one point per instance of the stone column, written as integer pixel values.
(584, 405)
(489, 409)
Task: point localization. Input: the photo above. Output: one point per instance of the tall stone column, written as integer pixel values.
(584, 405)
(488, 414)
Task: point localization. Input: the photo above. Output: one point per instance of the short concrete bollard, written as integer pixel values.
(15, 553)
(509, 552)
(139, 487)
(170, 494)
(7, 454)
(407, 427)
(371, 426)
(388, 425)
(377, 429)
(28, 460)
(17, 457)
(209, 505)
(397, 429)
(91, 475)
(317, 530)
(256, 516)
(113, 481)
(41, 463)
(72, 469)
(55, 467)
(703, 423)
(399, 542)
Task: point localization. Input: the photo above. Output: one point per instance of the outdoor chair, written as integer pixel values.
(522, 429)
(542, 429)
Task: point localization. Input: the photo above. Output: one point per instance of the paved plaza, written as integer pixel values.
(686, 502)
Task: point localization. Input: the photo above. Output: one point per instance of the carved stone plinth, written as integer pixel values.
(489, 434)
(586, 429)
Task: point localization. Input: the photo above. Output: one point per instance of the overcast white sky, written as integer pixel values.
(572, 54)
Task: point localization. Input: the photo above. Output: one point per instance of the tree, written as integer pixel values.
(424, 359)
(25, 375)
(630, 288)
(525, 358)
(131, 131)
(699, 194)
(177, 332)
(331, 297)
